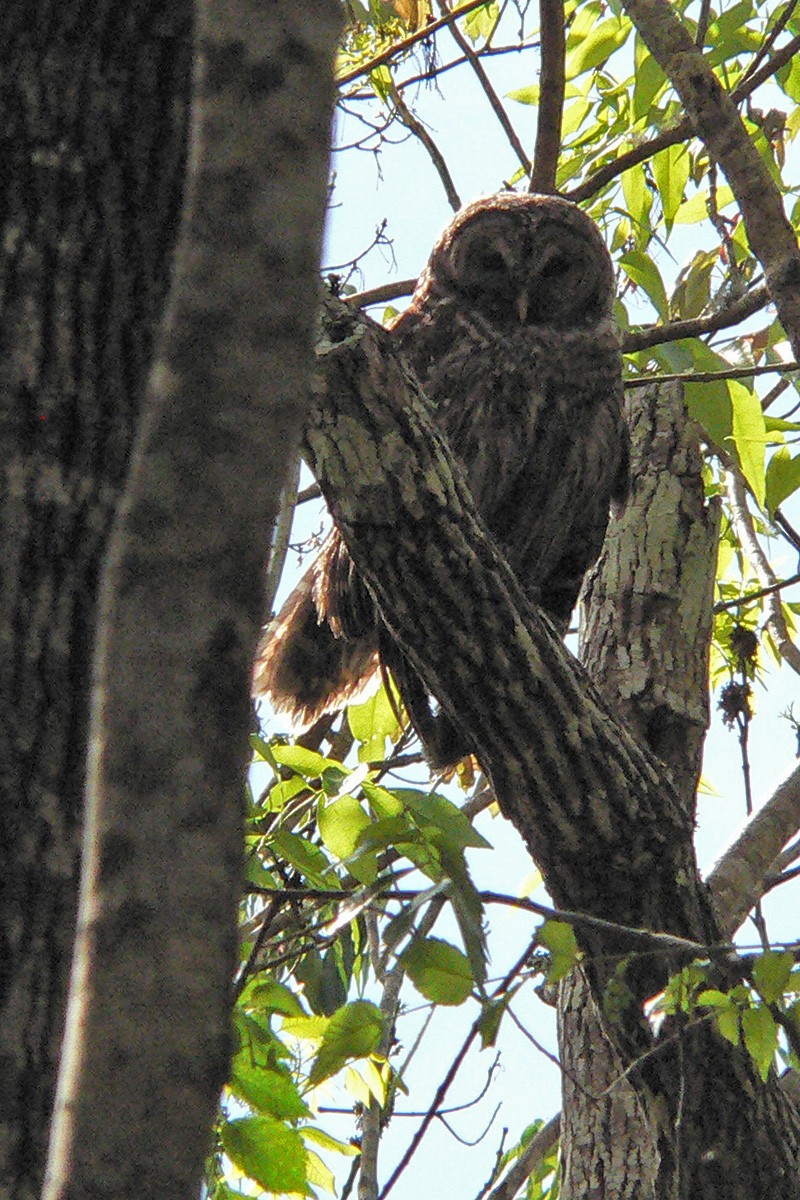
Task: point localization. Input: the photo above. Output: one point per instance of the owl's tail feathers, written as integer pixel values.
(302, 667)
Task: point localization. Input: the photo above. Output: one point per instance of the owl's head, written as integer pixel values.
(520, 260)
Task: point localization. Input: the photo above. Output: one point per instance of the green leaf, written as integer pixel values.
(590, 49)
(372, 722)
(481, 21)
(385, 804)
(468, 911)
(671, 172)
(354, 1031)
(319, 1174)
(284, 791)
(760, 1037)
(638, 197)
(648, 81)
(783, 478)
(558, 939)
(439, 971)
(271, 1093)
(640, 268)
(305, 762)
(266, 995)
(696, 209)
(492, 1013)
(341, 823)
(749, 436)
(307, 859)
(771, 974)
(312, 1134)
(525, 95)
(457, 830)
(728, 1024)
(308, 1029)
(268, 1152)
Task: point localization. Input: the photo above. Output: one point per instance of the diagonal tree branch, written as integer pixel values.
(473, 58)
(605, 824)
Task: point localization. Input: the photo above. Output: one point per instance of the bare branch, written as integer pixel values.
(437, 158)
(551, 96)
(280, 537)
(657, 335)
(724, 605)
(738, 880)
(712, 376)
(491, 95)
(378, 295)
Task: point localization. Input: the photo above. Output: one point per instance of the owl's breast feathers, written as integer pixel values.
(536, 420)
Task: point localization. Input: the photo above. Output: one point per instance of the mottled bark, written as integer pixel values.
(93, 115)
(716, 120)
(647, 620)
(599, 811)
(148, 1027)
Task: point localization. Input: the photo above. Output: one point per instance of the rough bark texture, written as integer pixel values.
(599, 812)
(716, 120)
(645, 636)
(93, 115)
(148, 1033)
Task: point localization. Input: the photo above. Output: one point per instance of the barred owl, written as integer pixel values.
(510, 333)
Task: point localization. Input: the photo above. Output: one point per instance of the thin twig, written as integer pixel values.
(491, 95)
(281, 532)
(745, 530)
(452, 1071)
(551, 96)
(407, 43)
(769, 41)
(437, 158)
(540, 1145)
(711, 376)
(724, 605)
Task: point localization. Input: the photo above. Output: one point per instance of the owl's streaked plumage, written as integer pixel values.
(510, 333)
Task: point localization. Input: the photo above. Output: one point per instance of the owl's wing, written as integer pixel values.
(320, 652)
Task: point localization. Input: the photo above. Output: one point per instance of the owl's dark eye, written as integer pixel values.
(557, 265)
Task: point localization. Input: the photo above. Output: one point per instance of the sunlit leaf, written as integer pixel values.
(760, 1037)
(671, 172)
(558, 939)
(783, 477)
(771, 974)
(749, 436)
(439, 971)
(352, 1032)
(268, 1152)
(642, 270)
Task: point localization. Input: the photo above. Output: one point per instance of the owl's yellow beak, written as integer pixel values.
(522, 307)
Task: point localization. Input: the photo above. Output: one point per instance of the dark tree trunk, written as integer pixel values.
(93, 114)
